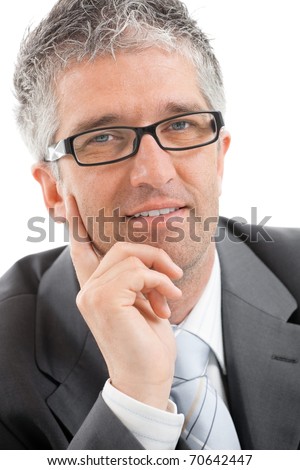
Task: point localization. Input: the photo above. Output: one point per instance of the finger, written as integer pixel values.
(146, 281)
(83, 256)
(152, 257)
(143, 306)
(127, 267)
(159, 303)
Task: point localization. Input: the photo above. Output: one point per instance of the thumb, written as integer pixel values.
(83, 255)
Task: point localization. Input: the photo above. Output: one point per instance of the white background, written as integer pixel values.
(257, 43)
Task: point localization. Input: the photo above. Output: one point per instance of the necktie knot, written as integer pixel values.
(192, 355)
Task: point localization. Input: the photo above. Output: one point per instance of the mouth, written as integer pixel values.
(156, 212)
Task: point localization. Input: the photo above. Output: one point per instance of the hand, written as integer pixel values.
(123, 301)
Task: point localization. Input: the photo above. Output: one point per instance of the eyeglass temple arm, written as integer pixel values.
(56, 151)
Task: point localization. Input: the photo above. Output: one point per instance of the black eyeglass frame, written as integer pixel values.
(66, 146)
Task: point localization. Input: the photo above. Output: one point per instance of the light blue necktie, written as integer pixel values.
(208, 424)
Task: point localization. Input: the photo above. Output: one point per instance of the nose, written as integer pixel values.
(151, 166)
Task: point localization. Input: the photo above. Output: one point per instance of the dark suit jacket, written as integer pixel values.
(52, 373)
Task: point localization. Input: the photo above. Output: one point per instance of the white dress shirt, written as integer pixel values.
(157, 429)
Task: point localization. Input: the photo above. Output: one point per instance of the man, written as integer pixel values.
(121, 103)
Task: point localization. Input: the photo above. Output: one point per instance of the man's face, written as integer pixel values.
(138, 89)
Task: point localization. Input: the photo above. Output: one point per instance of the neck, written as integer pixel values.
(192, 285)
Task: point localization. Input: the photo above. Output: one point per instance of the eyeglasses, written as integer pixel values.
(114, 144)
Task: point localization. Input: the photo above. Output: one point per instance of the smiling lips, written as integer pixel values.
(156, 212)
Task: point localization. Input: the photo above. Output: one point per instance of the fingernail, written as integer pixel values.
(178, 272)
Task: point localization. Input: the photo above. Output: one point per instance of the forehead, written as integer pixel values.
(134, 88)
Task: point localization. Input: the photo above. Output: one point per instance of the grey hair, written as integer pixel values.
(77, 30)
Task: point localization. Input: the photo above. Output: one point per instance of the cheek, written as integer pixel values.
(200, 172)
(95, 189)
(93, 194)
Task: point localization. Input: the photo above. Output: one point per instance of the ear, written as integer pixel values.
(223, 146)
(52, 190)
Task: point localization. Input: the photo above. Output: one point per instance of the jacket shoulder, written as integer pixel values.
(277, 247)
(25, 275)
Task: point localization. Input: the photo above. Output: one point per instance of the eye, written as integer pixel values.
(102, 138)
(179, 125)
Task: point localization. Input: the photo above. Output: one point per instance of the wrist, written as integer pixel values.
(156, 396)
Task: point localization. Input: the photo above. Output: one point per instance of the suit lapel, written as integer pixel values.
(262, 350)
(65, 349)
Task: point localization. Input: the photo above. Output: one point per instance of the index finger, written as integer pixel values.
(83, 255)
(152, 257)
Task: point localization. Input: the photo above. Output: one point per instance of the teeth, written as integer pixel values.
(156, 213)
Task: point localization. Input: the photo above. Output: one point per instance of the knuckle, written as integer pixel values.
(162, 277)
(120, 246)
(161, 252)
(94, 307)
(134, 262)
(87, 298)
(80, 300)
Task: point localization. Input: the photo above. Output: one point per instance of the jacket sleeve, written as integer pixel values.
(103, 430)
(111, 434)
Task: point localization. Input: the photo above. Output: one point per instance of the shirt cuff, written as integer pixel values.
(155, 429)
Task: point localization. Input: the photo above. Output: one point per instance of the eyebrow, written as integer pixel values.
(93, 123)
(174, 107)
(169, 108)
